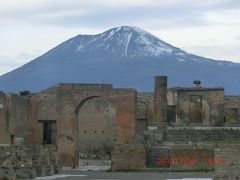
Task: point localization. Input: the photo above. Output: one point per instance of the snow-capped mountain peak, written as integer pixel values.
(124, 56)
(126, 41)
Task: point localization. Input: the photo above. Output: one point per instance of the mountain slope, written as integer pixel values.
(124, 56)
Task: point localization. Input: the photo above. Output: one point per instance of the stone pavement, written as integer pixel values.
(100, 175)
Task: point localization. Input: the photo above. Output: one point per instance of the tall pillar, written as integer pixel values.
(160, 101)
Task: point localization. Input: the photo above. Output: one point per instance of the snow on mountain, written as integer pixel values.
(125, 38)
(124, 56)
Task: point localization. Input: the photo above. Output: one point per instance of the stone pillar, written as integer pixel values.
(160, 101)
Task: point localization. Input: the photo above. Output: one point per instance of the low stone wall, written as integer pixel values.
(180, 135)
(27, 161)
(181, 158)
(128, 157)
(223, 159)
(230, 169)
(202, 134)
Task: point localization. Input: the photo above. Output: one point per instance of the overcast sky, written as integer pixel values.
(29, 28)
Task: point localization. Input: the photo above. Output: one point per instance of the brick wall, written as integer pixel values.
(69, 101)
(128, 157)
(46, 106)
(13, 117)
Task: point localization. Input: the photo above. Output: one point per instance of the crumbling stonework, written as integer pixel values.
(198, 106)
(230, 169)
(24, 162)
(148, 100)
(232, 111)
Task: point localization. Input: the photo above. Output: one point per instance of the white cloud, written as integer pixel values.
(220, 52)
(63, 13)
(136, 3)
(6, 5)
(21, 42)
(228, 17)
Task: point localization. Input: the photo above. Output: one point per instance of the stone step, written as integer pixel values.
(90, 162)
(94, 164)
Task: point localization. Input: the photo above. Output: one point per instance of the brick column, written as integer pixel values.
(160, 101)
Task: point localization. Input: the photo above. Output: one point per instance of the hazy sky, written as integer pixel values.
(29, 28)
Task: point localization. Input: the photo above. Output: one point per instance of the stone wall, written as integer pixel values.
(34, 127)
(230, 169)
(202, 134)
(25, 162)
(191, 159)
(4, 119)
(18, 109)
(128, 157)
(180, 158)
(186, 135)
(148, 100)
(13, 117)
(46, 106)
(200, 107)
(232, 111)
(41, 109)
(97, 128)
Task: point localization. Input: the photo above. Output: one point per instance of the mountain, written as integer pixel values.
(124, 56)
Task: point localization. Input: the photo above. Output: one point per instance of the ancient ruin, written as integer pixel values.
(176, 129)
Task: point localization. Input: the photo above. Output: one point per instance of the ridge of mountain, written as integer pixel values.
(125, 56)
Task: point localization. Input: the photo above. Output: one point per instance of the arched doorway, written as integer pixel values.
(96, 127)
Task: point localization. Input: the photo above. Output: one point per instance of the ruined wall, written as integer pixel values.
(69, 102)
(128, 157)
(230, 169)
(25, 162)
(46, 106)
(18, 109)
(4, 119)
(171, 108)
(145, 110)
(41, 108)
(188, 135)
(180, 158)
(34, 128)
(172, 97)
(13, 117)
(97, 128)
(232, 110)
(142, 118)
(203, 107)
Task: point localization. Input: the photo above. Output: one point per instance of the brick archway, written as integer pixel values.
(96, 127)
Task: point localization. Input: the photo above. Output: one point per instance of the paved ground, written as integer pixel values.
(99, 175)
